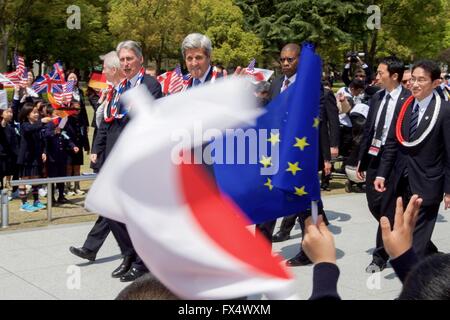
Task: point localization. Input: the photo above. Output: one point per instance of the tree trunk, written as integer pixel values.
(373, 46)
(3, 51)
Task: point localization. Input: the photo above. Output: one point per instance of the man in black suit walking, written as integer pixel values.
(115, 119)
(382, 108)
(417, 152)
(289, 61)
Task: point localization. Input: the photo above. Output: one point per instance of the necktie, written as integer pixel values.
(414, 121)
(197, 82)
(286, 84)
(109, 106)
(382, 120)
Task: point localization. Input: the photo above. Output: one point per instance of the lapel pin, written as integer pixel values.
(426, 118)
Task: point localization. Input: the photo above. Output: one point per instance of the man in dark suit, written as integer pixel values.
(289, 61)
(196, 49)
(116, 118)
(382, 108)
(101, 229)
(418, 152)
(329, 148)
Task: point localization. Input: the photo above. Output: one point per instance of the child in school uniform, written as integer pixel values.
(57, 145)
(77, 131)
(31, 156)
(9, 146)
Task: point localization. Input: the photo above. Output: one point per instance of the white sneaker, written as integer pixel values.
(70, 193)
(42, 192)
(79, 192)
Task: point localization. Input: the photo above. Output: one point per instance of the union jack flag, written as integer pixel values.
(51, 82)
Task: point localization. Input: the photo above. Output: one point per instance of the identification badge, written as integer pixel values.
(374, 149)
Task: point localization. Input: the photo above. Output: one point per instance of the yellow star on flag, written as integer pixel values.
(316, 123)
(300, 191)
(293, 167)
(301, 143)
(266, 161)
(269, 184)
(274, 138)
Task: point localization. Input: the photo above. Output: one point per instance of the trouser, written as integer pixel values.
(426, 221)
(98, 235)
(378, 203)
(266, 228)
(123, 239)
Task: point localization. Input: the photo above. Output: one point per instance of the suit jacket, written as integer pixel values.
(275, 87)
(369, 129)
(328, 114)
(108, 133)
(329, 123)
(428, 163)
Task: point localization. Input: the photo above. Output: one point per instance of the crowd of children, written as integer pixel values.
(37, 142)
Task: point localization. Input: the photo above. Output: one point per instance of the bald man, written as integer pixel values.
(288, 61)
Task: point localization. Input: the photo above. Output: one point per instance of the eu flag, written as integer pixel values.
(271, 168)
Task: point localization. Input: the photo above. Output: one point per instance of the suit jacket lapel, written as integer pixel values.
(209, 76)
(376, 108)
(277, 87)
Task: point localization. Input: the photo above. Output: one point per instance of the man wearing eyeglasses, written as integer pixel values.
(288, 61)
(328, 145)
(417, 152)
(383, 104)
(406, 78)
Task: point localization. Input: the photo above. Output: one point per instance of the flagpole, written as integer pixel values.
(314, 211)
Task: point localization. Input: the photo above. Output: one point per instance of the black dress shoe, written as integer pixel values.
(132, 275)
(83, 253)
(301, 259)
(123, 268)
(376, 266)
(280, 236)
(62, 200)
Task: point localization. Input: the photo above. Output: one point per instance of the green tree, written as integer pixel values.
(12, 13)
(159, 25)
(224, 23)
(44, 36)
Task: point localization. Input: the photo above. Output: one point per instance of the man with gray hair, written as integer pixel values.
(100, 231)
(197, 49)
(115, 119)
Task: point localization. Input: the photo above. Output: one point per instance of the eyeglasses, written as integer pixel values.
(418, 80)
(289, 60)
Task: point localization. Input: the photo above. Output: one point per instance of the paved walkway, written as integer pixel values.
(37, 264)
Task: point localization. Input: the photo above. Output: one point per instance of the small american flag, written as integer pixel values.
(176, 81)
(16, 76)
(251, 65)
(65, 97)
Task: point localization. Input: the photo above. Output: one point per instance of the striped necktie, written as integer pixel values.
(414, 121)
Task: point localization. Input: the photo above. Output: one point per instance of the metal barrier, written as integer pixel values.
(49, 182)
